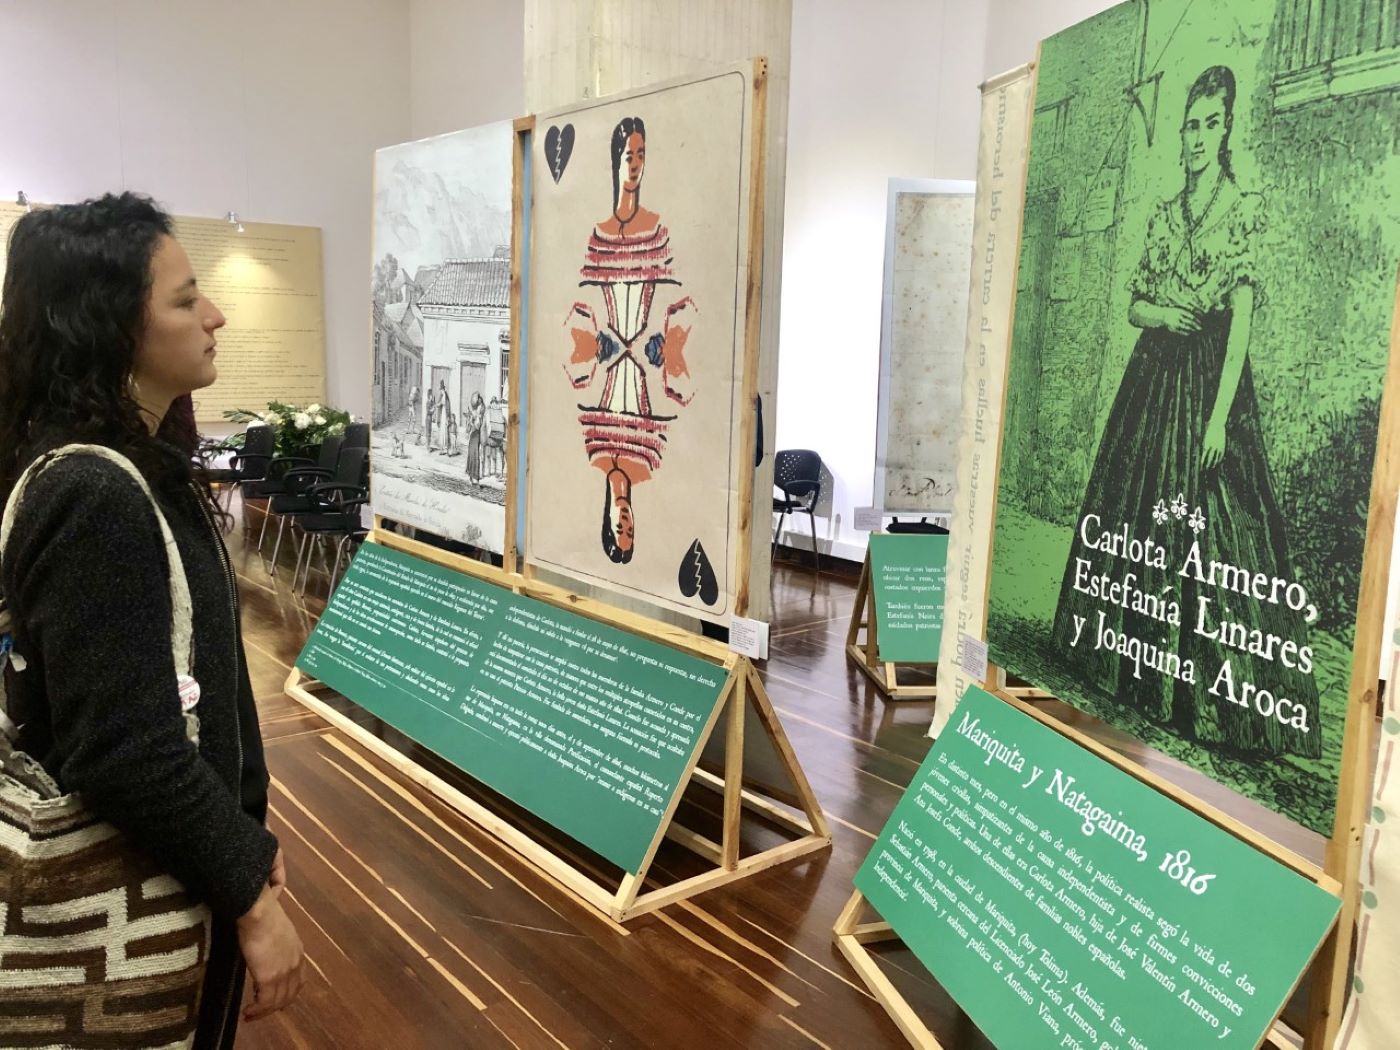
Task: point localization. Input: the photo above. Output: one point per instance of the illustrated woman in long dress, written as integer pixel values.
(1183, 459)
(630, 363)
(475, 424)
(441, 423)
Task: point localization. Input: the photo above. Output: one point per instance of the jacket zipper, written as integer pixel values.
(237, 721)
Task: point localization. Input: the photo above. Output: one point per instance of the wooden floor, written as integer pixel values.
(421, 931)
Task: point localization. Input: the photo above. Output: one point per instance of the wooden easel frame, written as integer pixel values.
(742, 689)
(749, 360)
(865, 653)
(1340, 871)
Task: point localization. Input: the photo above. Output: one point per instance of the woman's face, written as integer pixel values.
(175, 349)
(1202, 132)
(632, 162)
(624, 528)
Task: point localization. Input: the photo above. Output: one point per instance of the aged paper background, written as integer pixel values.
(922, 341)
(696, 178)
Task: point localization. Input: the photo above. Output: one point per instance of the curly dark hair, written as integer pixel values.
(74, 305)
(626, 128)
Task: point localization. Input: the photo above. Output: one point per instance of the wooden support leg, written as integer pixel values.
(734, 772)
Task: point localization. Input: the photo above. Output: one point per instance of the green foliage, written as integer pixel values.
(296, 427)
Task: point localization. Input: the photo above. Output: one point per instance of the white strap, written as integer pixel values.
(182, 625)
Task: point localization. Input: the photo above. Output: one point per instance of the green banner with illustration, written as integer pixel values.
(584, 725)
(1201, 333)
(1063, 903)
(908, 572)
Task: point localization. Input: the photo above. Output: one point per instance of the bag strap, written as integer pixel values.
(182, 618)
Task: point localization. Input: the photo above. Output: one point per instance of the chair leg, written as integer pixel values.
(267, 513)
(816, 554)
(340, 549)
(277, 547)
(322, 542)
(317, 547)
(777, 534)
(301, 550)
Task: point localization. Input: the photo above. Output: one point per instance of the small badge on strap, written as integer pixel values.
(189, 692)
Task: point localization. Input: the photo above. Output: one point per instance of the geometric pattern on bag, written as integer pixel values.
(98, 947)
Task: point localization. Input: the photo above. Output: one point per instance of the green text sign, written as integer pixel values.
(1063, 903)
(586, 726)
(908, 572)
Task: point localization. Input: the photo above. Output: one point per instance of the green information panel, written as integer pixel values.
(1063, 903)
(586, 726)
(908, 572)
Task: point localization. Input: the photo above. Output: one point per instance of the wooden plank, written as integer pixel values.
(734, 773)
(874, 933)
(524, 129)
(696, 843)
(771, 858)
(872, 645)
(850, 913)
(879, 675)
(756, 803)
(768, 718)
(753, 320)
(561, 872)
(1343, 858)
(886, 994)
(726, 697)
(858, 607)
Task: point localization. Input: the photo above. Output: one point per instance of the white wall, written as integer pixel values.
(269, 108)
(467, 64)
(878, 90)
(1015, 27)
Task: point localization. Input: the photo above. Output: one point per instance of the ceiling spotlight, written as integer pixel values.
(23, 201)
(240, 227)
(233, 218)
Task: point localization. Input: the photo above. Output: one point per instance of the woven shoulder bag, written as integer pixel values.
(99, 948)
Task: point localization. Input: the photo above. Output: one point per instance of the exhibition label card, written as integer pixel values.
(869, 519)
(908, 572)
(585, 725)
(1063, 903)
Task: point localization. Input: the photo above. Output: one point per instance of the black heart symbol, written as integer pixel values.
(558, 145)
(697, 575)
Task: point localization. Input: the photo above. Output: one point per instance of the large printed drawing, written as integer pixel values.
(928, 234)
(441, 312)
(623, 364)
(634, 447)
(1200, 340)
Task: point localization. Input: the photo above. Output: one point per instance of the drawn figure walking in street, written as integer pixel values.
(629, 363)
(1184, 432)
(440, 422)
(476, 421)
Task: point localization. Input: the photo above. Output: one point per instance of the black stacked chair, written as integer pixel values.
(798, 473)
(335, 514)
(291, 476)
(248, 464)
(356, 436)
(289, 494)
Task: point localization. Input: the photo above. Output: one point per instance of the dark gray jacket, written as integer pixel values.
(86, 576)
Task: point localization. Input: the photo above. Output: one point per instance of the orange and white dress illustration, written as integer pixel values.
(633, 364)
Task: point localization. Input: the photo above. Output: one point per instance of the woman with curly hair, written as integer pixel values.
(103, 328)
